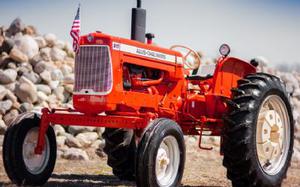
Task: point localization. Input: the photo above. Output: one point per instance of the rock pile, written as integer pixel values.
(74, 141)
(36, 71)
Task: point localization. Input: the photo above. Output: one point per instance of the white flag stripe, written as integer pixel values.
(75, 31)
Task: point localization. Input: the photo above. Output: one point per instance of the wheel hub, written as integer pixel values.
(272, 135)
(163, 161)
(35, 163)
(167, 161)
(270, 141)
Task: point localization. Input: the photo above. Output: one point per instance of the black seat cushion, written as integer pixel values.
(197, 77)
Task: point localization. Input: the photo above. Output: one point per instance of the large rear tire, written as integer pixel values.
(161, 155)
(22, 165)
(120, 149)
(259, 131)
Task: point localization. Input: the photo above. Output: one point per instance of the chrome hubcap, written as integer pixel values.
(167, 161)
(35, 163)
(272, 135)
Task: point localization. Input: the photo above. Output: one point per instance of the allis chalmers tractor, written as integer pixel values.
(147, 98)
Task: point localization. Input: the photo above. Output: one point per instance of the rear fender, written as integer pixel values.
(227, 73)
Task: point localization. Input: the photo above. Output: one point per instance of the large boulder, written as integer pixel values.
(59, 130)
(57, 54)
(40, 41)
(71, 141)
(40, 66)
(57, 75)
(54, 84)
(50, 39)
(45, 54)
(44, 88)
(11, 86)
(30, 30)
(80, 129)
(87, 138)
(11, 96)
(10, 116)
(32, 76)
(26, 107)
(27, 45)
(15, 27)
(24, 68)
(8, 76)
(59, 92)
(75, 154)
(66, 70)
(41, 97)
(26, 90)
(60, 44)
(17, 55)
(46, 76)
(5, 106)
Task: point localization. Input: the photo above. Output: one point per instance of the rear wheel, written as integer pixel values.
(22, 165)
(120, 149)
(258, 140)
(161, 155)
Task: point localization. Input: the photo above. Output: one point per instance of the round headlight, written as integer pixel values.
(224, 50)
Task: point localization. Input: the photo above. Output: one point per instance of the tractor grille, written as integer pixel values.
(93, 70)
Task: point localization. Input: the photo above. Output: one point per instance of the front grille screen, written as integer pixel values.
(93, 70)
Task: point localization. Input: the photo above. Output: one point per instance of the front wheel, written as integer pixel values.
(22, 165)
(258, 139)
(161, 155)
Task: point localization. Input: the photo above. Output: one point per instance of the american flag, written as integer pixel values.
(75, 31)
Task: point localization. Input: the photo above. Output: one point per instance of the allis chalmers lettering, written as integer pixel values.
(153, 54)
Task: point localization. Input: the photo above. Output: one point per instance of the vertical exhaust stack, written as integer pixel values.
(138, 23)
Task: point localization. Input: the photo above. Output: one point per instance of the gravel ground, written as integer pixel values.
(203, 168)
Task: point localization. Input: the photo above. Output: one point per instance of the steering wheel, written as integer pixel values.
(191, 58)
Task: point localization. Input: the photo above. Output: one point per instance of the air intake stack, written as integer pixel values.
(138, 23)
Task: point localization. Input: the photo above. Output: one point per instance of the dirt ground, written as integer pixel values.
(203, 168)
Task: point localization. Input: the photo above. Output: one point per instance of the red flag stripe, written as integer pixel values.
(75, 31)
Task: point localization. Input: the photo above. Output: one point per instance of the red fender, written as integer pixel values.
(228, 72)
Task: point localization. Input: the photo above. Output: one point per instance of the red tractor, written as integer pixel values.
(148, 98)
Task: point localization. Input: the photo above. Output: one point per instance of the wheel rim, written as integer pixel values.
(272, 135)
(35, 163)
(167, 161)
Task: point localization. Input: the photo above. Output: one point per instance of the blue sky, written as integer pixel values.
(269, 28)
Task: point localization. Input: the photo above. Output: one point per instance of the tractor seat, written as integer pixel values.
(199, 78)
(202, 73)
